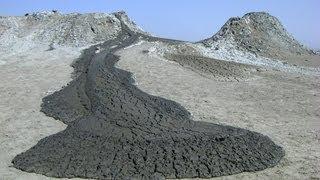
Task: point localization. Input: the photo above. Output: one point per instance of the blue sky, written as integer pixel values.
(188, 19)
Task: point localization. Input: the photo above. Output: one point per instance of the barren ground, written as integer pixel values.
(26, 78)
(282, 106)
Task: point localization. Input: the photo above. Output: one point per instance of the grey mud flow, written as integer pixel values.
(116, 131)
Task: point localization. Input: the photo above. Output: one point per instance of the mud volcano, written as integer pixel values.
(116, 131)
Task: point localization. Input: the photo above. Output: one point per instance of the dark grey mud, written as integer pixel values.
(214, 68)
(116, 131)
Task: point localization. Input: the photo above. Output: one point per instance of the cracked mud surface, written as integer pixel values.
(117, 131)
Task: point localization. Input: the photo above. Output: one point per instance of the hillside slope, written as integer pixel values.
(64, 29)
(258, 33)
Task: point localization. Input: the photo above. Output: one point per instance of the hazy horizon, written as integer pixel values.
(184, 20)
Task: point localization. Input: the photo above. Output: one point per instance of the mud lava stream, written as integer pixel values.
(117, 131)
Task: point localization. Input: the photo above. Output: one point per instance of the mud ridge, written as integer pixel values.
(214, 68)
(116, 131)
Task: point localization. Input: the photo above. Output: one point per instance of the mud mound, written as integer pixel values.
(217, 69)
(66, 29)
(259, 33)
(116, 131)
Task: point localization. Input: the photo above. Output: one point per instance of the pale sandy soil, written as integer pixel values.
(27, 77)
(284, 106)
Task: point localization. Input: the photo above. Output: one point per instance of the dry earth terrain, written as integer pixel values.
(283, 106)
(213, 79)
(29, 76)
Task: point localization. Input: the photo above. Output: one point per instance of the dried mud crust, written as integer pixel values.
(217, 69)
(116, 131)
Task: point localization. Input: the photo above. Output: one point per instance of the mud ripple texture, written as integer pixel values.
(116, 131)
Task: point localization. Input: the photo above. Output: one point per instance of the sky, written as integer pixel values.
(189, 20)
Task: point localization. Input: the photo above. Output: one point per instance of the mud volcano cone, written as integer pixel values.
(116, 131)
